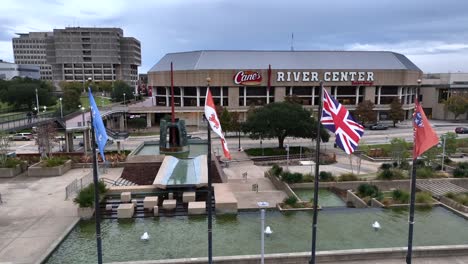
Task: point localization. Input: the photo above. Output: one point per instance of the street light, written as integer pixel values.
(102, 99)
(45, 108)
(37, 100)
(125, 102)
(262, 206)
(61, 109)
(444, 138)
(82, 114)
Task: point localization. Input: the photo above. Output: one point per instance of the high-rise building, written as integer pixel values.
(30, 49)
(77, 54)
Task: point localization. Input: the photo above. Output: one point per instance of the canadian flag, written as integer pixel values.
(212, 118)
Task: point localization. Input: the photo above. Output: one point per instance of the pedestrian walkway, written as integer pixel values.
(35, 216)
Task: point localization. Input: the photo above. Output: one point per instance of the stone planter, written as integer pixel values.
(85, 212)
(11, 172)
(37, 170)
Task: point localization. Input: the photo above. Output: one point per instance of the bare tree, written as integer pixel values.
(4, 148)
(45, 139)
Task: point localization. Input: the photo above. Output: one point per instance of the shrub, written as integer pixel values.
(11, 162)
(385, 166)
(420, 163)
(290, 177)
(450, 195)
(365, 190)
(401, 196)
(423, 197)
(348, 177)
(291, 200)
(461, 171)
(326, 176)
(307, 178)
(276, 170)
(54, 161)
(404, 165)
(391, 174)
(424, 173)
(85, 197)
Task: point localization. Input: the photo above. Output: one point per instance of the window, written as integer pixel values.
(443, 95)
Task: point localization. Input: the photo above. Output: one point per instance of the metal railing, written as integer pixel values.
(76, 185)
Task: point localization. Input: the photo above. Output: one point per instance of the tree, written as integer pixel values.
(46, 138)
(4, 148)
(364, 112)
(71, 99)
(457, 104)
(22, 92)
(105, 87)
(399, 149)
(225, 119)
(396, 112)
(280, 120)
(121, 87)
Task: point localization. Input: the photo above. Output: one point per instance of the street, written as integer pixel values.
(403, 130)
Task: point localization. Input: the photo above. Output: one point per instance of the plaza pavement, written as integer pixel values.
(35, 216)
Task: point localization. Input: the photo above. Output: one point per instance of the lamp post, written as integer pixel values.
(444, 137)
(61, 109)
(287, 157)
(102, 99)
(37, 100)
(125, 102)
(262, 206)
(45, 108)
(82, 114)
(125, 112)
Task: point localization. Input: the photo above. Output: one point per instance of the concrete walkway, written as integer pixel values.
(242, 187)
(34, 215)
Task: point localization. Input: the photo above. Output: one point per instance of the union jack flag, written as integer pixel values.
(337, 119)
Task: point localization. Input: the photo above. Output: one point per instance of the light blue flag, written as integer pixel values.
(99, 129)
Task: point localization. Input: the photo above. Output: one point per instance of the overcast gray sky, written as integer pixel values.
(433, 34)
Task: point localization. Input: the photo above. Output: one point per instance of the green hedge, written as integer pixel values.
(275, 151)
(54, 161)
(85, 197)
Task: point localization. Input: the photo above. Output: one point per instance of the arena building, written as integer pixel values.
(241, 79)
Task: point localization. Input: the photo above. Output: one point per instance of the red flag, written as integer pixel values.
(210, 113)
(424, 135)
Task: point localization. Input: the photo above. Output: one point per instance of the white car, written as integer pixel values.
(22, 136)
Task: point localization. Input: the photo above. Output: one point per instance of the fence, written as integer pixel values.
(76, 185)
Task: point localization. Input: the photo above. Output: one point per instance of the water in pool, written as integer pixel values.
(326, 197)
(182, 237)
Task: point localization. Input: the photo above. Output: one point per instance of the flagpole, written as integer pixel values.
(96, 194)
(209, 195)
(413, 189)
(316, 176)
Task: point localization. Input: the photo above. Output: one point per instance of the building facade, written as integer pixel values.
(242, 79)
(438, 87)
(10, 70)
(77, 54)
(30, 49)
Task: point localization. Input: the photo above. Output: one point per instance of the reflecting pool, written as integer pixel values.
(326, 197)
(182, 237)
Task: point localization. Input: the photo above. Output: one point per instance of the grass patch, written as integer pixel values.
(85, 101)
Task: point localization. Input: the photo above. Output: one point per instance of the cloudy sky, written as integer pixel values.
(433, 34)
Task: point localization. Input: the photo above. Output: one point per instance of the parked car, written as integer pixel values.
(22, 136)
(461, 130)
(378, 127)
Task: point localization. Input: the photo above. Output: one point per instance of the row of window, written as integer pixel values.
(352, 95)
(89, 71)
(19, 61)
(29, 46)
(29, 51)
(17, 40)
(95, 77)
(30, 57)
(87, 66)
